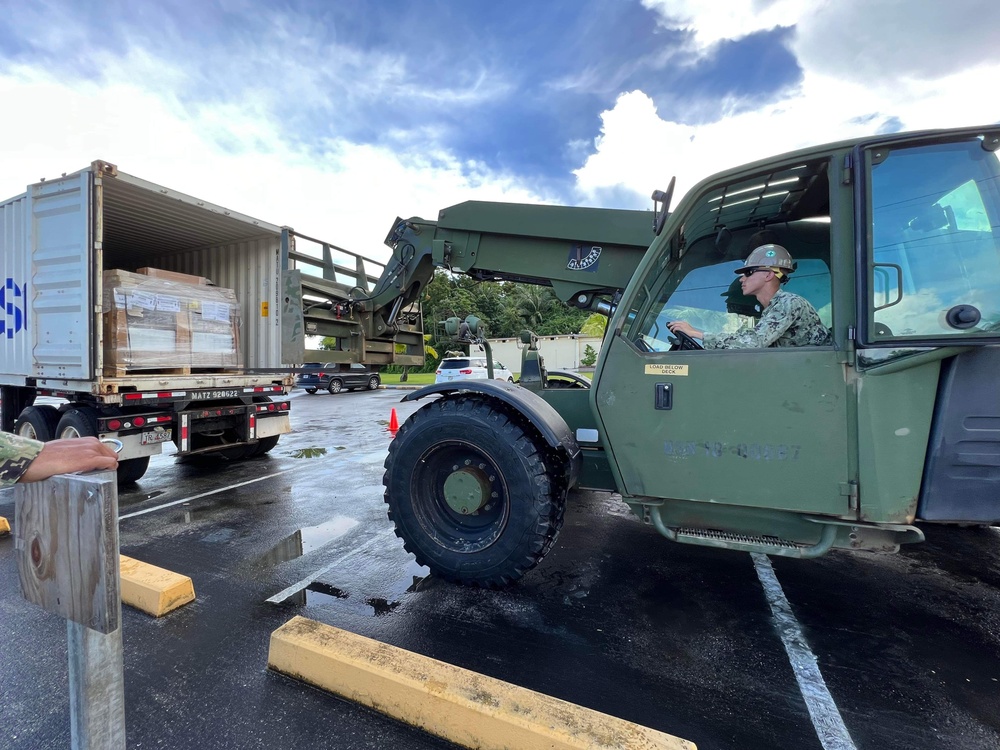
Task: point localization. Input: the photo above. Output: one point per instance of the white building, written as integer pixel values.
(560, 352)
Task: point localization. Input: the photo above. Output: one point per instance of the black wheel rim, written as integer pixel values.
(465, 465)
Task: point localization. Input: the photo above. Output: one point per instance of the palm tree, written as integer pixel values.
(533, 303)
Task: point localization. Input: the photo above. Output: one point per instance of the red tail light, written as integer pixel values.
(437, 372)
(466, 372)
(139, 421)
(114, 424)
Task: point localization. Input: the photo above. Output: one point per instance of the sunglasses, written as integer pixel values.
(749, 272)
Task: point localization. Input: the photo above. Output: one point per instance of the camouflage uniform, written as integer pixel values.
(788, 320)
(16, 453)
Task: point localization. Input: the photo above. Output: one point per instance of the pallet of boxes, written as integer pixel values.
(156, 320)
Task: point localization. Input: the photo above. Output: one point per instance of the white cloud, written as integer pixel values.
(842, 94)
(710, 23)
(231, 154)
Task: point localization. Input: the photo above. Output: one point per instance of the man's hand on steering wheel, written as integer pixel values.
(686, 334)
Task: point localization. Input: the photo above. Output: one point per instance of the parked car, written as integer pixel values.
(469, 368)
(334, 377)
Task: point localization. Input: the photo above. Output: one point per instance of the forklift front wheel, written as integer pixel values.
(470, 493)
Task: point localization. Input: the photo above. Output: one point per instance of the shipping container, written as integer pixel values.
(57, 241)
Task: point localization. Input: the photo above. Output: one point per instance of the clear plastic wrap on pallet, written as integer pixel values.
(153, 323)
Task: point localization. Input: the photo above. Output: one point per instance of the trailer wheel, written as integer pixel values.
(264, 445)
(77, 422)
(470, 494)
(336, 385)
(132, 470)
(37, 423)
(310, 391)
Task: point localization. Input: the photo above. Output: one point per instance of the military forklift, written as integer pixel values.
(790, 451)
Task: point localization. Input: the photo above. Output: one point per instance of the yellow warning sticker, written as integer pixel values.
(678, 370)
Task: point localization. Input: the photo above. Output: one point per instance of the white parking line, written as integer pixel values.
(304, 583)
(823, 711)
(203, 494)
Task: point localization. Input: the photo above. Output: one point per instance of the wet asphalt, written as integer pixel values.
(674, 637)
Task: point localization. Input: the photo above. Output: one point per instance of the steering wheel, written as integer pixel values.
(684, 341)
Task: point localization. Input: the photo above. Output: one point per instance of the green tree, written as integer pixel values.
(595, 325)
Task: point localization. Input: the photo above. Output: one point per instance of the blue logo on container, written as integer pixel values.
(14, 307)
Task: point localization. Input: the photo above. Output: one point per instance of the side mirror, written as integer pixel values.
(661, 206)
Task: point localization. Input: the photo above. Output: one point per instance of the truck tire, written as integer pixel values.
(78, 421)
(336, 385)
(37, 423)
(470, 494)
(132, 470)
(310, 391)
(264, 445)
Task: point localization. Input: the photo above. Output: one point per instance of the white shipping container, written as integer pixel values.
(56, 242)
(60, 235)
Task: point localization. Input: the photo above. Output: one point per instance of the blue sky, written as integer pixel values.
(334, 117)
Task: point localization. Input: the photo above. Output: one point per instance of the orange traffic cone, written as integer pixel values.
(393, 423)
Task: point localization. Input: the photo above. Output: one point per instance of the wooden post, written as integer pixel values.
(66, 544)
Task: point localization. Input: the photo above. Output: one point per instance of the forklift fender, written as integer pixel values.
(545, 419)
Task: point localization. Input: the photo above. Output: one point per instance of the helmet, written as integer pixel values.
(770, 256)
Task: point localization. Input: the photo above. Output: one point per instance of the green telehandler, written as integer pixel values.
(790, 451)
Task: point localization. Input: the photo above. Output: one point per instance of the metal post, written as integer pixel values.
(66, 543)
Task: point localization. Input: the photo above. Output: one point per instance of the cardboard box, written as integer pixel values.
(179, 278)
(152, 323)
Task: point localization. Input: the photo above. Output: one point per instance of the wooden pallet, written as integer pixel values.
(112, 371)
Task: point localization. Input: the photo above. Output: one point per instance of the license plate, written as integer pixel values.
(212, 395)
(155, 436)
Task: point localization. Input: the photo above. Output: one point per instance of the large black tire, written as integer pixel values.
(264, 445)
(37, 422)
(310, 391)
(467, 454)
(132, 470)
(336, 385)
(78, 421)
(374, 382)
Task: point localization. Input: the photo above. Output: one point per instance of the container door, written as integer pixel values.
(62, 278)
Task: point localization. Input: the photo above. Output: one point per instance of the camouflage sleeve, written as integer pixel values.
(784, 313)
(16, 454)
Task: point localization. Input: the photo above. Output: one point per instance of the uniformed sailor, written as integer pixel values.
(787, 319)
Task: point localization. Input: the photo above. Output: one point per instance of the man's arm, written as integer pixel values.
(778, 317)
(27, 460)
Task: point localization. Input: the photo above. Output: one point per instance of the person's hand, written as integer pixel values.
(683, 327)
(69, 456)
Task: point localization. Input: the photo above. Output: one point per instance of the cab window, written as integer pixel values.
(696, 280)
(934, 266)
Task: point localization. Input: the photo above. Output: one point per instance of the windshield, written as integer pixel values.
(935, 253)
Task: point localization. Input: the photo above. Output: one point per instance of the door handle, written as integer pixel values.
(663, 396)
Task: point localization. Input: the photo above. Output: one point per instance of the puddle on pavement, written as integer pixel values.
(381, 606)
(414, 578)
(305, 540)
(308, 453)
(318, 593)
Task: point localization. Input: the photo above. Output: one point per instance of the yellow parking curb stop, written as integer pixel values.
(153, 590)
(4, 526)
(469, 709)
